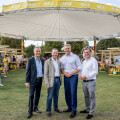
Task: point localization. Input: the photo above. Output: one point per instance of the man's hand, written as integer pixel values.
(80, 77)
(27, 85)
(67, 74)
(84, 77)
(48, 86)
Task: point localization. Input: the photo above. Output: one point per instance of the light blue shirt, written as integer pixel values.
(70, 63)
(39, 67)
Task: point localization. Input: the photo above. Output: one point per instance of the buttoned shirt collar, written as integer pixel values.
(69, 54)
(36, 58)
(54, 59)
(88, 59)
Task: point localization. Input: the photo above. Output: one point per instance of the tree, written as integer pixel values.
(76, 47)
(85, 43)
(104, 44)
(50, 45)
(12, 43)
(29, 51)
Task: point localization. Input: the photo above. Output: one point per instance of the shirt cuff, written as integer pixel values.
(80, 68)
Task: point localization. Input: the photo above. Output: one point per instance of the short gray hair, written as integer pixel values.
(54, 49)
(67, 45)
(36, 48)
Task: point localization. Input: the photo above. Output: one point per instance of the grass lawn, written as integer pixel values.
(14, 99)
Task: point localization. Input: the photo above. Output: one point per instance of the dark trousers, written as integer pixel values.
(34, 94)
(70, 86)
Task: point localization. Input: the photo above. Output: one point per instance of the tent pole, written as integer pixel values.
(94, 47)
(22, 48)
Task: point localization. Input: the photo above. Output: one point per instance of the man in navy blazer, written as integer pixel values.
(34, 76)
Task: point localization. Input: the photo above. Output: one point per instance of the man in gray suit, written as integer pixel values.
(34, 76)
(88, 75)
(52, 78)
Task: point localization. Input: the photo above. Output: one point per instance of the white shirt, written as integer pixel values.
(57, 70)
(70, 63)
(89, 68)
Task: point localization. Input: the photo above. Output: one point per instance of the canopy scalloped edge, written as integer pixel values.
(60, 39)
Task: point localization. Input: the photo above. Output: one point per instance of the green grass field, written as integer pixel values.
(14, 99)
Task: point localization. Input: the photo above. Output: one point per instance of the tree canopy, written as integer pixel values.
(29, 51)
(104, 44)
(11, 42)
(76, 47)
(50, 45)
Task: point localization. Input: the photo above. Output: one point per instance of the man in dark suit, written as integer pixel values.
(34, 75)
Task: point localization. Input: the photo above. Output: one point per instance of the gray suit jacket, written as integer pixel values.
(49, 72)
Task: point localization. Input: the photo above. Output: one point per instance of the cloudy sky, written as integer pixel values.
(27, 43)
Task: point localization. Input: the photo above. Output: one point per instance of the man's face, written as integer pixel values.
(67, 50)
(37, 52)
(54, 54)
(87, 53)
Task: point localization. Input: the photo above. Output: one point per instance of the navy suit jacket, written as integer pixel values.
(31, 70)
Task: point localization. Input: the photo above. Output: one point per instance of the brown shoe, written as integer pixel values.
(37, 111)
(48, 114)
(58, 111)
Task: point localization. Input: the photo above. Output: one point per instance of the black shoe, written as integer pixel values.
(73, 114)
(84, 111)
(29, 115)
(37, 111)
(48, 114)
(58, 111)
(89, 116)
(68, 110)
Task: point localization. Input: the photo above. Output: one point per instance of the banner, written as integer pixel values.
(59, 3)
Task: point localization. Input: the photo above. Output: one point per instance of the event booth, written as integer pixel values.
(110, 61)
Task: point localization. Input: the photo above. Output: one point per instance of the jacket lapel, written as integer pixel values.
(51, 62)
(34, 62)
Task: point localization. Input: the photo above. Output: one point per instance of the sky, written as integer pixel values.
(28, 42)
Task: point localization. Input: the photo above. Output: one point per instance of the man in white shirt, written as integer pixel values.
(70, 66)
(88, 75)
(52, 78)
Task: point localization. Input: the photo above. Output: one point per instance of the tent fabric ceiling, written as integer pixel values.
(59, 25)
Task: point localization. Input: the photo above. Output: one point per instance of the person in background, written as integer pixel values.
(14, 59)
(9, 59)
(88, 76)
(1, 61)
(18, 62)
(5, 61)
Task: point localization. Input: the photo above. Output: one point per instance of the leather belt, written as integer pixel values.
(38, 78)
(57, 77)
(88, 80)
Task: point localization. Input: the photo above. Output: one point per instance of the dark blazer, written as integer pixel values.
(31, 70)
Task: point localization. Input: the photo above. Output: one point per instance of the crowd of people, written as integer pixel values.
(70, 66)
(5, 64)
